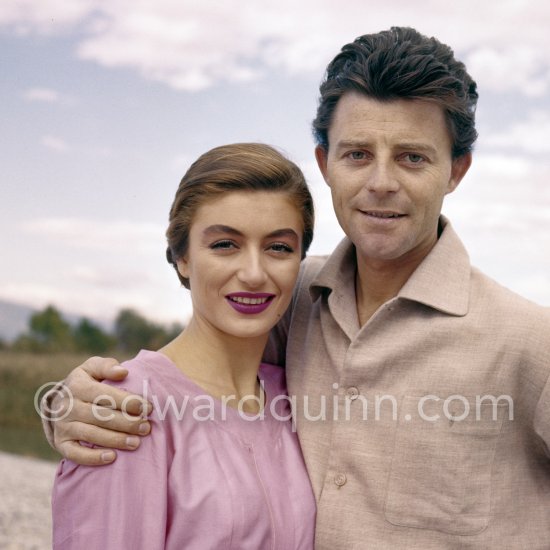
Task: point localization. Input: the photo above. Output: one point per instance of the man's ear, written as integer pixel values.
(183, 268)
(321, 155)
(459, 168)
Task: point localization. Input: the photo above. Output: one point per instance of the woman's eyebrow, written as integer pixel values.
(219, 228)
(286, 232)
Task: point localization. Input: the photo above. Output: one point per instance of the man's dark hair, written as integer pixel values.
(401, 63)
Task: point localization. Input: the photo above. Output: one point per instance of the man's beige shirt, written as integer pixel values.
(428, 427)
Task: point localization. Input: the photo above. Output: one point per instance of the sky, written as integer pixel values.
(104, 104)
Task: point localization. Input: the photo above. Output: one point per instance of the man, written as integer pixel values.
(421, 387)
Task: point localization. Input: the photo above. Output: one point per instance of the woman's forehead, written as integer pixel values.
(247, 211)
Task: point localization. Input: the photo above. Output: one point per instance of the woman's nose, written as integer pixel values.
(252, 271)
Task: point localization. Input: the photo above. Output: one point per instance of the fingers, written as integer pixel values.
(70, 447)
(102, 368)
(85, 455)
(83, 387)
(78, 415)
(95, 435)
(82, 413)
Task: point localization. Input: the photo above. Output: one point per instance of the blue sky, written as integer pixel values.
(105, 104)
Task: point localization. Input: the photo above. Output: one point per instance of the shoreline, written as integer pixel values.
(25, 515)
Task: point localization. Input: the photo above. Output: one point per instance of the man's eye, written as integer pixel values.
(357, 155)
(222, 245)
(414, 158)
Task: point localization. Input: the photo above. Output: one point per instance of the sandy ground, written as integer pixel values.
(25, 517)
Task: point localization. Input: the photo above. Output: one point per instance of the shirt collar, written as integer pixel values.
(441, 281)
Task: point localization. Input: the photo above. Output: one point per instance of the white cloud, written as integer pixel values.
(502, 213)
(59, 145)
(98, 234)
(515, 68)
(45, 17)
(500, 167)
(120, 279)
(40, 94)
(181, 163)
(55, 144)
(529, 136)
(45, 95)
(505, 190)
(327, 231)
(503, 199)
(193, 45)
(189, 48)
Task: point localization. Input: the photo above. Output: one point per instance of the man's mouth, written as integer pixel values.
(382, 214)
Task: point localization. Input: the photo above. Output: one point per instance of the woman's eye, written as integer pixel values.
(222, 245)
(281, 247)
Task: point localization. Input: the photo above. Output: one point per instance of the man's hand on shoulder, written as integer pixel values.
(84, 409)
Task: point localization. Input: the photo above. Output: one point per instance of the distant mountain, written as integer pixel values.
(14, 319)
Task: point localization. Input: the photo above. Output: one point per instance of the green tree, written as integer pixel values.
(89, 337)
(25, 343)
(133, 332)
(173, 330)
(49, 331)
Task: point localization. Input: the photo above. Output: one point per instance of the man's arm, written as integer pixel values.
(79, 412)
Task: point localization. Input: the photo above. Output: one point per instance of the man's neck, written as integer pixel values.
(377, 282)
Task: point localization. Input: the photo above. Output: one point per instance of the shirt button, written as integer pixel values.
(352, 393)
(340, 480)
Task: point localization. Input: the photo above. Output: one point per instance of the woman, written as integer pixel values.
(222, 467)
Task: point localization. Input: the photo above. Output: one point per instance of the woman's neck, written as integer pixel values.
(221, 364)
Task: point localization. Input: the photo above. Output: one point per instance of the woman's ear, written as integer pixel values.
(183, 267)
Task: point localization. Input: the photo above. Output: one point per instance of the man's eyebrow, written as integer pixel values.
(410, 145)
(345, 144)
(422, 147)
(219, 228)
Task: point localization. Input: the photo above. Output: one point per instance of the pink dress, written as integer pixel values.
(206, 478)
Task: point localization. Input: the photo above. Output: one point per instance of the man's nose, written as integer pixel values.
(252, 270)
(382, 178)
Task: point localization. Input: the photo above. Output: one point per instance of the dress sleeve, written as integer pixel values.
(122, 505)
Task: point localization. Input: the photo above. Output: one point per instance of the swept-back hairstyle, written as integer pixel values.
(235, 167)
(401, 63)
